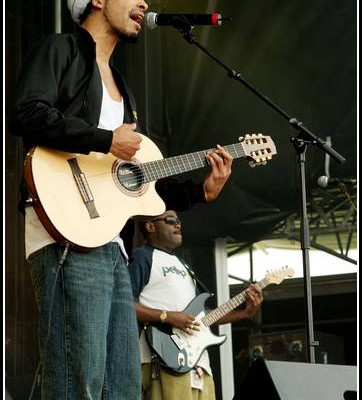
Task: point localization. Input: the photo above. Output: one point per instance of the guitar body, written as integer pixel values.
(178, 351)
(88, 224)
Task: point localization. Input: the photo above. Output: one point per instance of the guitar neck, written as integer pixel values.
(171, 166)
(219, 312)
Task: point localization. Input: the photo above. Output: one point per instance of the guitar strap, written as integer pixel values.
(195, 277)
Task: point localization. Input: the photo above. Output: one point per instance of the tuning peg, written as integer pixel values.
(251, 164)
(241, 138)
(251, 138)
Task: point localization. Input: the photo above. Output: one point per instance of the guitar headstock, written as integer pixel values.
(277, 276)
(258, 148)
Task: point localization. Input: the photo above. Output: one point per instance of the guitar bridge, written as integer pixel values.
(83, 187)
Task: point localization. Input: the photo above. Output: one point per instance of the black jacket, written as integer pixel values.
(59, 96)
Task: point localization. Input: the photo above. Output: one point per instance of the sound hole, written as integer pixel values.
(129, 177)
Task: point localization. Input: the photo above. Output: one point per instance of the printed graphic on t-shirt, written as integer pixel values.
(174, 270)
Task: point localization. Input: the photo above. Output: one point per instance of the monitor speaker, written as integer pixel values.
(286, 380)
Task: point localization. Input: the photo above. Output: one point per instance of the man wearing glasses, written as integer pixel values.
(163, 287)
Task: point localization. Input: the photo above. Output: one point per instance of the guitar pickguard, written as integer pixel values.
(194, 344)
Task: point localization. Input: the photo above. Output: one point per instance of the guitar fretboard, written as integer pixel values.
(216, 314)
(154, 170)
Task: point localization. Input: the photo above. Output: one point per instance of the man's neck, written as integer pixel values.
(161, 247)
(104, 38)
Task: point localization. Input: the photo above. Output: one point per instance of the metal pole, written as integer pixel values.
(58, 16)
(223, 294)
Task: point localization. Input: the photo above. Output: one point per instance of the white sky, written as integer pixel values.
(268, 259)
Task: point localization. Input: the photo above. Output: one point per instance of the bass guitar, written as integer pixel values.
(85, 200)
(179, 351)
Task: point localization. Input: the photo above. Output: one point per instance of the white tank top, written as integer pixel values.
(112, 111)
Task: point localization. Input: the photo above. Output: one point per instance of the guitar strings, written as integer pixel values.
(151, 170)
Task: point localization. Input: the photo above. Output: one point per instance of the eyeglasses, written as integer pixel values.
(170, 220)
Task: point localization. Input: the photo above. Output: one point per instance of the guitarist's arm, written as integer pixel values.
(220, 161)
(125, 141)
(252, 305)
(177, 319)
(181, 196)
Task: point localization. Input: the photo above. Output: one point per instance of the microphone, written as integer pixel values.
(153, 19)
(324, 181)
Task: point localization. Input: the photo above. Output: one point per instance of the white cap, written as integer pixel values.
(76, 8)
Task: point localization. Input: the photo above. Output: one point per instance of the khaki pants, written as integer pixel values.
(174, 387)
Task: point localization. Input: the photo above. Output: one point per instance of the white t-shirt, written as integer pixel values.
(164, 283)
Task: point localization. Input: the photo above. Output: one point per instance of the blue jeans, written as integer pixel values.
(89, 338)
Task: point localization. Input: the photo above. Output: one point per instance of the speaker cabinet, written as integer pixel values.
(286, 380)
(293, 346)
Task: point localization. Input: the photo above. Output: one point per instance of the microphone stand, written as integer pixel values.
(300, 142)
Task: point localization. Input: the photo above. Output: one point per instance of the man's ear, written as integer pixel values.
(97, 3)
(150, 227)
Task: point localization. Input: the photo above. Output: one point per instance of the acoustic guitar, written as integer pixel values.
(85, 200)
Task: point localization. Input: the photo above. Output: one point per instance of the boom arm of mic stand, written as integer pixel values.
(305, 133)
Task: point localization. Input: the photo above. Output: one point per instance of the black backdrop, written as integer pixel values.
(302, 55)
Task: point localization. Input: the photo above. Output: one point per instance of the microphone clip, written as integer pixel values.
(184, 28)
